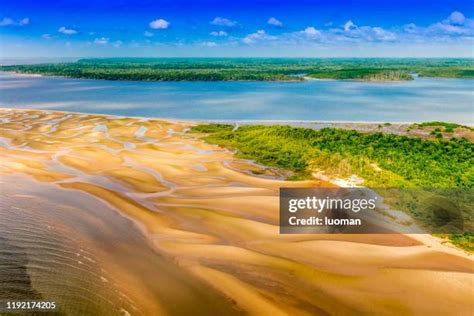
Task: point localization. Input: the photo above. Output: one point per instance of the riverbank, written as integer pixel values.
(424, 130)
(213, 220)
(348, 158)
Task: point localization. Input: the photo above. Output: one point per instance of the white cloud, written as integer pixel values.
(223, 22)
(369, 34)
(456, 24)
(10, 22)
(219, 33)
(46, 36)
(24, 21)
(257, 36)
(456, 17)
(159, 24)
(6, 22)
(352, 32)
(275, 22)
(66, 31)
(448, 28)
(209, 44)
(148, 34)
(117, 44)
(410, 28)
(311, 32)
(101, 40)
(350, 26)
(383, 35)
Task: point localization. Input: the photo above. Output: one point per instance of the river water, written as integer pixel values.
(423, 99)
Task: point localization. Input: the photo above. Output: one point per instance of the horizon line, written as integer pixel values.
(229, 57)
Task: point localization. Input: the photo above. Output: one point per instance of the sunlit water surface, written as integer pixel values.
(423, 99)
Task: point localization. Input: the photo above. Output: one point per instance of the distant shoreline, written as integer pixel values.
(303, 79)
(396, 128)
(251, 69)
(229, 121)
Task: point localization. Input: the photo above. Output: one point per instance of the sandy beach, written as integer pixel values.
(173, 225)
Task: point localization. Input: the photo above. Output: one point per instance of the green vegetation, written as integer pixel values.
(437, 133)
(451, 72)
(383, 160)
(405, 161)
(366, 74)
(447, 127)
(464, 241)
(252, 69)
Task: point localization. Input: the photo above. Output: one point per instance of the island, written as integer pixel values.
(253, 69)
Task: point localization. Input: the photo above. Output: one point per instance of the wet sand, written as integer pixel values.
(175, 226)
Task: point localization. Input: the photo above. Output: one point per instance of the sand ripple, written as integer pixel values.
(209, 220)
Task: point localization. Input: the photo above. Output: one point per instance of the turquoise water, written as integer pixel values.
(422, 99)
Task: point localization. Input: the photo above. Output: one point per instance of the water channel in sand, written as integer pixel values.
(112, 215)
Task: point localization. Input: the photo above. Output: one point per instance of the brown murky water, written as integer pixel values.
(119, 216)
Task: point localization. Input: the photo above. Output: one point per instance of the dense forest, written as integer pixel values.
(252, 69)
(404, 161)
(382, 160)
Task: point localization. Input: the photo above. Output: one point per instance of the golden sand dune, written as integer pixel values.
(208, 222)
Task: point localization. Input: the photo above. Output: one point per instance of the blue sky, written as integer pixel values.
(357, 28)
